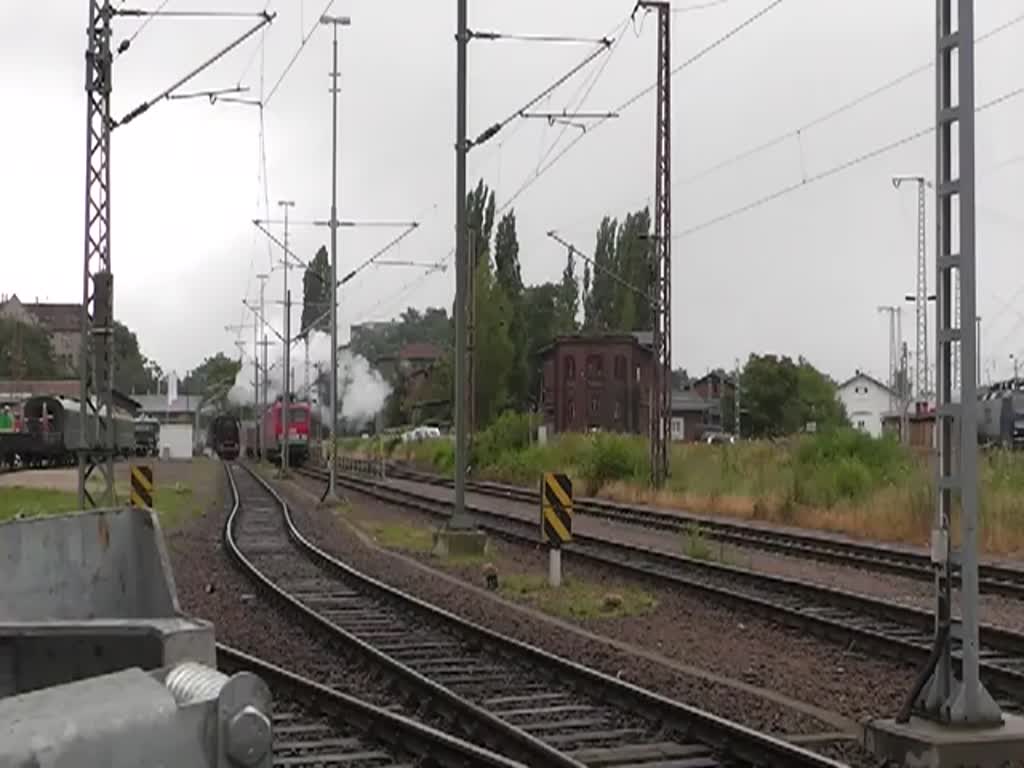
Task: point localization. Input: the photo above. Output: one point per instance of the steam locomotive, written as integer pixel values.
(224, 436)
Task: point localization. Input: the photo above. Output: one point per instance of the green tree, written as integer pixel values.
(316, 294)
(432, 326)
(633, 263)
(600, 310)
(213, 379)
(494, 348)
(780, 397)
(506, 256)
(25, 351)
(133, 371)
(509, 278)
(480, 220)
(541, 325)
(568, 303)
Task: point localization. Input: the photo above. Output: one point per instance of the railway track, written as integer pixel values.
(502, 694)
(899, 632)
(316, 726)
(898, 561)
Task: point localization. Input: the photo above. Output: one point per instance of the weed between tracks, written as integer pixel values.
(841, 481)
(576, 599)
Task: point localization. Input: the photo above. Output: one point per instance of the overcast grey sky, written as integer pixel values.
(802, 274)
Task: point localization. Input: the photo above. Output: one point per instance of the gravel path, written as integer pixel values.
(1002, 611)
(749, 651)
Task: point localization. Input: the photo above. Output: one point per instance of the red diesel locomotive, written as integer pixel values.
(297, 441)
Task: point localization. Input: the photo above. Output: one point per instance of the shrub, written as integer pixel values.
(845, 465)
(612, 458)
(510, 432)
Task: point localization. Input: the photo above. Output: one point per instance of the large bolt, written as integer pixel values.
(248, 736)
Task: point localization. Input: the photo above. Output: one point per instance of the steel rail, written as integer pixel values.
(492, 732)
(900, 632)
(401, 735)
(899, 561)
(725, 737)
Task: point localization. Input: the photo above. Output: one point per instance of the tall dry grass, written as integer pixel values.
(841, 482)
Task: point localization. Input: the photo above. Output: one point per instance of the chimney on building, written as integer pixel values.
(172, 388)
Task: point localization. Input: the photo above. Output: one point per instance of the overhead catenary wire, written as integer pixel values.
(490, 132)
(146, 105)
(298, 52)
(124, 46)
(836, 111)
(588, 87)
(728, 35)
(836, 169)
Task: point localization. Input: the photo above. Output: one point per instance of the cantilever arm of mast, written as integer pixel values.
(266, 324)
(265, 18)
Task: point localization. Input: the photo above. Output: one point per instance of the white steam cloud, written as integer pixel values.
(362, 391)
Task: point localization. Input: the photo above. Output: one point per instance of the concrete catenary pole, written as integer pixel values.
(286, 388)
(966, 703)
(335, 22)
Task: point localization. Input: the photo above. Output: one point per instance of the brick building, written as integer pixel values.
(597, 382)
(697, 407)
(63, 322)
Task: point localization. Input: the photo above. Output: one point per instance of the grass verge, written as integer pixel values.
(575, 599)
(175, 503)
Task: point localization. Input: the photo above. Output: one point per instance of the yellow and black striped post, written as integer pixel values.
(142, 487)
(555, 520)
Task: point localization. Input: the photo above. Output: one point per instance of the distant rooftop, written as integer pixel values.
(155, 404)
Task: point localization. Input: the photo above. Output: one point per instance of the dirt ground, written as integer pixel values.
(183, 489)
(66, 479)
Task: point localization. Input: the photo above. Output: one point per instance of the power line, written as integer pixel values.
(145, 23)
(490, 132)
(844, 166)
(589, 88)
(298, 52)
(837, 111)
(633, 99)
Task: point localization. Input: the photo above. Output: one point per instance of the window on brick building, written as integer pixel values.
(570, 368)
(595, 405)
(620, 367)
(595, 366)
(617, 411)
(570, 410)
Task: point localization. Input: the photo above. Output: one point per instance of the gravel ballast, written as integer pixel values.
(748, 650)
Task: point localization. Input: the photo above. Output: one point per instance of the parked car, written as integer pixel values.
(421, 433)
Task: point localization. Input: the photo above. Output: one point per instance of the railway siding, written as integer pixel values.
(900, 632)
(582, 714)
